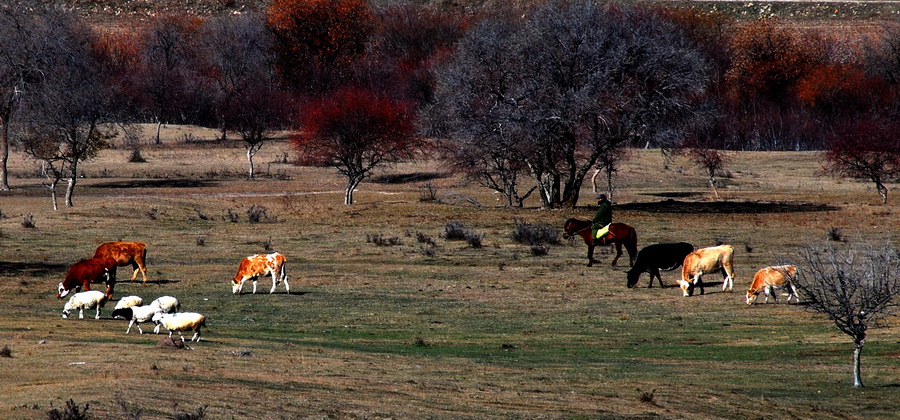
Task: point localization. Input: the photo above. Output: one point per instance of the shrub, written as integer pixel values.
(71, 412)
(5, 352)
(539, 250)
(200, 414)
(231, 216)
(136, 156)
(381, 240)
(648, 397)
(425, 239)
(428, 193)
(267, 244)
(201, 240)
(528, 234)
(427, 250)
(834, 234)
(474, 239)
(28, 221)
(257, 214)
(455, 231)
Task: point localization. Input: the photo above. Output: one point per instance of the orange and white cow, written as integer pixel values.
(125, 253)
(770, 278)
(705, 261)
(260, 265)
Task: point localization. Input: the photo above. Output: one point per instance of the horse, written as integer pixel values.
(619, 234)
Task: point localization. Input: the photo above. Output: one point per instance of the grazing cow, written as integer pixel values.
(260, 265)
(705, 261)
(770, 278)
(85, 272)
(125, 253)
(653, 258)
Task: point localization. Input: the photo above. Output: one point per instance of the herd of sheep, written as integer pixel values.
(163, 312)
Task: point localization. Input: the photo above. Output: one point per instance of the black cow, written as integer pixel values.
(653, 258)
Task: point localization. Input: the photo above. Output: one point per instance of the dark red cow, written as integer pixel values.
(85, 272)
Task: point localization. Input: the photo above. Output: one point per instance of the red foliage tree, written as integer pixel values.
(316, 40)
(355, 131)
(867, 149)
(769, 59)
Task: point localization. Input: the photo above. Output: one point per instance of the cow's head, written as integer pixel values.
(752, 294)
(633, 276)
(62, 292)
(236, 285)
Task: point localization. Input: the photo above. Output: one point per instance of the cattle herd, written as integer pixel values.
(694, 264)
(163, 311)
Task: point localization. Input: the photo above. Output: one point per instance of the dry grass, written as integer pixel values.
(391, 332)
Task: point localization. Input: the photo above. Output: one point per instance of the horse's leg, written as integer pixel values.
(618, 253)
(590, 254)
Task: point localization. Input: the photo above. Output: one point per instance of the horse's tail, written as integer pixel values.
(631, 242)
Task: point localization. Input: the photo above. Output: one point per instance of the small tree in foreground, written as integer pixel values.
(855, 288)
(355, 131)
(711, 160)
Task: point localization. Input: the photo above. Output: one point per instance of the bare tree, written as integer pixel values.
(69, 114)
(856, 288)
(247, 99)
(569, 81)
(27, 43)
(868, 149)
(711, 160)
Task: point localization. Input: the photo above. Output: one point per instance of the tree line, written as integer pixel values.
(522, 99)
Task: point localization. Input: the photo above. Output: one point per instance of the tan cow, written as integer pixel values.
(770, 278)
(260, 265)
(125, 253)
(705, 261)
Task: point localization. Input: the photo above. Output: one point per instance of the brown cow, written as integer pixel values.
(134, 253)
(770, 278)
(705, 261)
(85, 272)
(260, 265)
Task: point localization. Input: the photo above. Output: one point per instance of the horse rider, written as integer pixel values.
(602, 219)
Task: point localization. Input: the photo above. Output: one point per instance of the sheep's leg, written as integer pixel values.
(130, 323)
(98, 313)
(196, 335)
(139, 327)
(156, 329)
(81, 313)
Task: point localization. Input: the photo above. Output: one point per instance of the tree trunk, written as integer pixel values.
(250, 154)
(4, 154)
(158, 129)
(712, 184)
(352, 183)
(52, 187)
(857, 355)
(70, 191)
(883, 191)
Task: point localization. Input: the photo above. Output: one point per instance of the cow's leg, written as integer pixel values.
(793, 293)
(767, 290)
(729, 279)
(275, 281)
(287, 287)
(81, 313)
(98, 313)
(655, 272)
(130, 323)
(254, 285)
(699, 282)
(139, 328)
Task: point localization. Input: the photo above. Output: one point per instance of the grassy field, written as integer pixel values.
(409, 331)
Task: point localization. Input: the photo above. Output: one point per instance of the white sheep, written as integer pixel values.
(85, 300)
(180, 321)
(137, 314)
(167, 304)
(128, 301)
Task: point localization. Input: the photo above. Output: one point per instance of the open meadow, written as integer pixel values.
(406, 329)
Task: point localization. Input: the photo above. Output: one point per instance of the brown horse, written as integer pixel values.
(619, 234)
